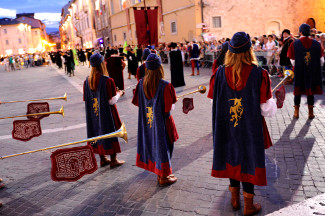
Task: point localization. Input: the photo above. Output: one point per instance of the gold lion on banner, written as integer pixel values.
(236, 110)
(307, 58)
(96, 106)
(150, 116)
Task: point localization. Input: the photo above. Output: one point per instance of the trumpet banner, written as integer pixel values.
(280, 95)
(39, 107)
(25, 130)
(71, 164)
(188, 105)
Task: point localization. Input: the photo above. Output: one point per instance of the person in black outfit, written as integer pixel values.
(58, 60)
(287, 40)
(176, 66)
(82, 56)
(132, 62)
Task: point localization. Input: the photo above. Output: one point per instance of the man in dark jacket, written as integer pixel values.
(286, 42)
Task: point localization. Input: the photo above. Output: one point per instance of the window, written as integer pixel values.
(115, 37)
(112, 6)
(7, 42)
(19, 40)
(5, 31)
(173, 27)
(87, 22)
(124, 36)
(216, 22)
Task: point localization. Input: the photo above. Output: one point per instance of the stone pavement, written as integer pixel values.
(295, 164)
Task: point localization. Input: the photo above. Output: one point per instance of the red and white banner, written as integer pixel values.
(71, 164)
(40, 107)
(25, 130)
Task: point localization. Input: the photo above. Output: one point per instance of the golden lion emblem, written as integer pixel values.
(236, 110)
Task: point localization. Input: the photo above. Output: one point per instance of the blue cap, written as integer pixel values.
(145, 53)
(240, 42)
(305, 29)
(96, 60)
(153, 62)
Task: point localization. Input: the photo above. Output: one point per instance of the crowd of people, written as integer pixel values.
(18, 62)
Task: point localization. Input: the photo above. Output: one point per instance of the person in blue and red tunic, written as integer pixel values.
(100, 97)
(194, 51)
(241, 98)
(307, 57)
(141, 71)
(157, 133)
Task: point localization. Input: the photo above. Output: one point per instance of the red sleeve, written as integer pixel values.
(265, 90)
(135, 99)
(291, 51)
(169, 97)
(84, 90)
(211, 88)
(214, 66)
(138, 74)
(111, 88)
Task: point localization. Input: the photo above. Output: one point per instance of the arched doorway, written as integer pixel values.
(311, 22)
(273, 28)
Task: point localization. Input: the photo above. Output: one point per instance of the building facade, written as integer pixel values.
(112, 21)
(15, 37)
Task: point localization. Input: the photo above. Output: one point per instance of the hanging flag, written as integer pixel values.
(280, 95)
(146, 22)
(71, 164)
(39, 107)
(187, 105)
(25, 130)
(124, 47)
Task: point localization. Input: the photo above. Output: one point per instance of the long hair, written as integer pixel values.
(151, 81)
(236, 61)
(92, 77)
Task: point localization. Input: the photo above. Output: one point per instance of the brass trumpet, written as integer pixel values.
(288, 75)
(58, 98)
(202, 89)
(122, 133)
(61, 112)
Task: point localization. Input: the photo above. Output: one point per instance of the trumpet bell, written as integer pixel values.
(202, 89)
(290, 74)
(65, 97)
(62, 111)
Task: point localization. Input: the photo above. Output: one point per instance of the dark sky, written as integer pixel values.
(43, 9)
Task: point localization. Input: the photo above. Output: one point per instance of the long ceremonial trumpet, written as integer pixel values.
(61, 112)
(122, 133)
(288, 75)
(202, 89)
(57, 98)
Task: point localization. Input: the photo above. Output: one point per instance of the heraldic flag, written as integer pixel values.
(146, 22)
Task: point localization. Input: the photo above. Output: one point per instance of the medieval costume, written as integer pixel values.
(240, 133)
(132, 63)
(176, 66)
(82, 56)
(307, 57)
(194, 51)
(141, 71)
(284, 60)
(100, 97)
(156, 128)
(115, 66)
(58, 60)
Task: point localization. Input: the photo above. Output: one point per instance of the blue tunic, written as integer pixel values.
(154, 151)
(195, 53)
(308, 75)
(99, 118)
(238, 130)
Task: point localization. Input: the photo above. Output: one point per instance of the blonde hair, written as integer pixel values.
(92, 77)
(236, 61)
(151, 81)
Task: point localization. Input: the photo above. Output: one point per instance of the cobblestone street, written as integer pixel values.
(295, 164)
